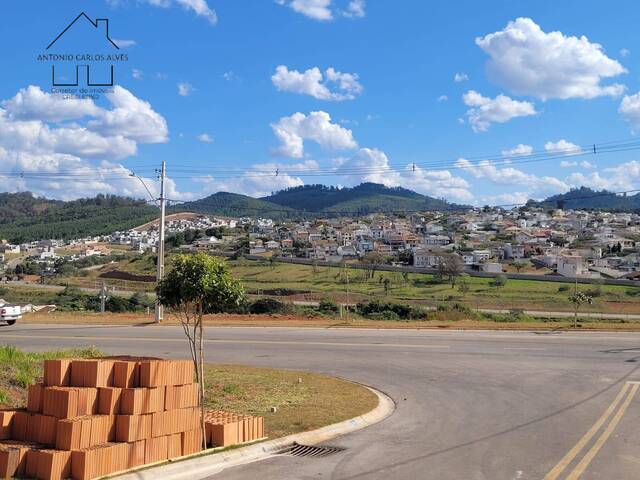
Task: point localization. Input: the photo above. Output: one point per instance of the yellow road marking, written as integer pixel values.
(586, 460)
(555, 472)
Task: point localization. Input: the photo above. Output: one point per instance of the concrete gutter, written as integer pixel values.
(206, 465)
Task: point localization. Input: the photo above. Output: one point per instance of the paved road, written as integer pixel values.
(470, 405)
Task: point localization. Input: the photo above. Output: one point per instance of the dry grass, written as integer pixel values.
(231, 320)
(316, 401)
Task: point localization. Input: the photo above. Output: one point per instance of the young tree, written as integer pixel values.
(386, 283)
(500, 281)
(463, 284)
(518, 266)
(196, 285)
(450, 264)
(579, 298)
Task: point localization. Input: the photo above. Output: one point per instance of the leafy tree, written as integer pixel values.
(518, 266)
(500, 281)
(386, 283)
(578, 299)
(195, 285)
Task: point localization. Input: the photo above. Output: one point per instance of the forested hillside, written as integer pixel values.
(586, 198)
(24, 217)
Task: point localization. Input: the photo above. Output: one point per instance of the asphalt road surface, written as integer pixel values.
(470, 405)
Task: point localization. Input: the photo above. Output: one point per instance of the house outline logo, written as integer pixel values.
(86, 66)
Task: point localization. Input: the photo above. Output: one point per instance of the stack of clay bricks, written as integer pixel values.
(91, 418)
(223, 429)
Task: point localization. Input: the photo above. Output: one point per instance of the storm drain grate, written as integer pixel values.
(298, 450)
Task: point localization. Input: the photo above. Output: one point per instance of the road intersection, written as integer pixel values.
(472, 405)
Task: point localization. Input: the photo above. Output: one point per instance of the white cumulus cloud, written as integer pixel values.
(484, 111)
(630, 110)
(332, 85)
(529, 61)
(293, 130)
(460, 77)
(185, 89)
(199, 7)
(520, 149)
(75, 159)
(205, 138)
(325, 10)
(563, 147)
(375, 164)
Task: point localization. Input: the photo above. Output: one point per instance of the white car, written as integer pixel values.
(10, 313)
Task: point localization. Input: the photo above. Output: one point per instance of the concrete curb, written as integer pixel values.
(207, 465)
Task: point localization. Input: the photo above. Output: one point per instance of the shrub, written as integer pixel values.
(267, 305)
(375, 308)
(328, 306)
(386, 315)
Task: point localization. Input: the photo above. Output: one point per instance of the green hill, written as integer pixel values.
(584, 198)
(235, 205)
(362, 199)
(24, 217)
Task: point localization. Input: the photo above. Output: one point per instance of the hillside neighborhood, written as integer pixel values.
(567, 243)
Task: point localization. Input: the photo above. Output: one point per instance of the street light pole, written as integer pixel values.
(160, 247)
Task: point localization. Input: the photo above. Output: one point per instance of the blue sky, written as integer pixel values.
(327, 91)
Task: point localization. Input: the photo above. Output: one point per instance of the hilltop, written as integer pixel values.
(321, 200)
(584, 198)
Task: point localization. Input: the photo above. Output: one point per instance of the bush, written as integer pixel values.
(328, 306)
(268, 305)
(386, 315)
(376, 308)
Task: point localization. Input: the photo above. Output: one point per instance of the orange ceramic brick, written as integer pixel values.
(174, 446)
(57, 373)
(19, 425)
(224, 434)
(9, 461)
(53, 465)
(109, 400)
(60, 402)
(152, 373)
(88, 401)
(85, 432)
(125, 374)
(92, 373)
(135, 401)
(21, 448)
(156, 449)
(135, 457)
(34, 398)
(31, 463)
(102, 429)
(68, 434)
(130, 428)
(82, 464)
(154, 400)
(191, 441)
(46, 429)
(6, 421)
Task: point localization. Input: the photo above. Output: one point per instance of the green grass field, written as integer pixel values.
(425, 289)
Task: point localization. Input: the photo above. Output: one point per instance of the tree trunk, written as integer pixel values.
(201, 374)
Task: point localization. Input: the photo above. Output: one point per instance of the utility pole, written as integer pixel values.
(104, 296)
(160, 247)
